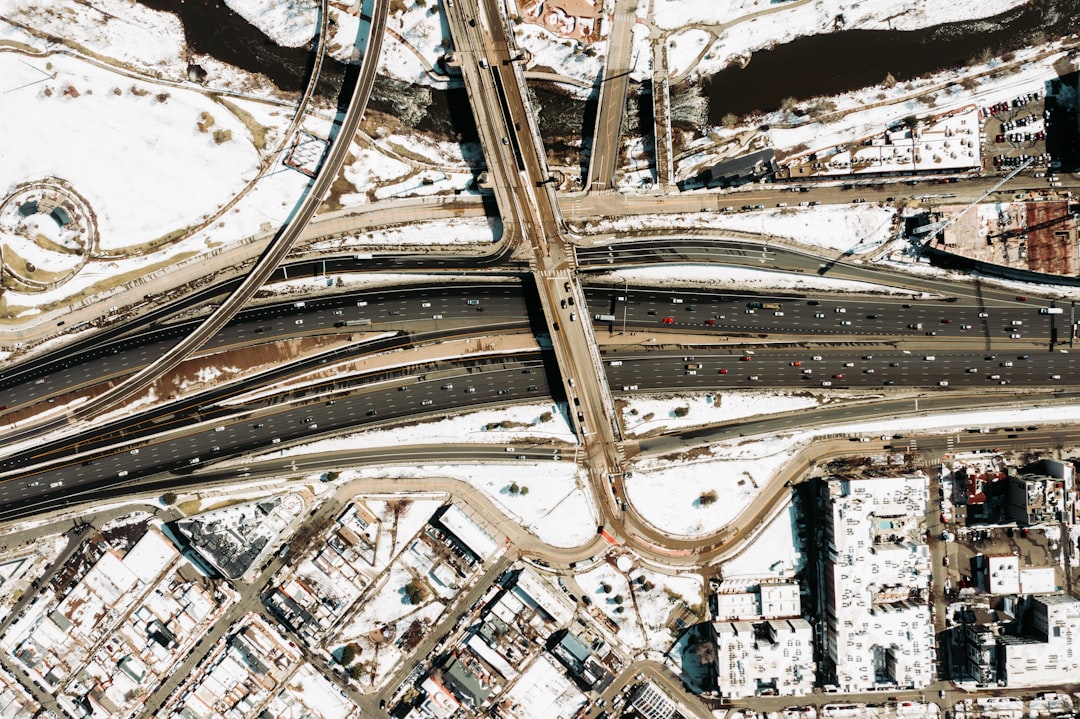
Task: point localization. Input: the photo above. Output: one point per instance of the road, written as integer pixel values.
(611, 103)
(271, 256)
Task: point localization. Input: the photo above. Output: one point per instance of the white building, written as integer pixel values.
(875, 572)
(1051, 656)
(776, 655)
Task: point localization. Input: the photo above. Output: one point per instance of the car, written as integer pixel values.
(868, 357)
(723, 371)
(710, 322)
(372, 412)
(745, 358)
(845, 323)
(995, 376)
(470, 390)
(840, 310)
(972, 370)
(808, 371)
(1006, 364)
(134, 451)
(819, 315)
(944, 383)
(1021, 298)
(796, 363)
(1014, 336)
(849, 364)
(1024, 357)
(426, 403)
(965, 327)
(816, 358)
(503, 391)
(669, 320)
(838, 376)
(946, 321)
(888, 382)
(929, 358)
(868, 370)
(894, 364)
(754, 377)
(193, 460)
(276, 440)
(299, 322)
(750, 312)
(1055, 376)
(826, 383)
(307, 420)
(691, 372)
(931, 334)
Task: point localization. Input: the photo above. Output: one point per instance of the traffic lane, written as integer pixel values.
(284, 423)
(764, 368)
(822, 314)
(265, 324)
(759, 253)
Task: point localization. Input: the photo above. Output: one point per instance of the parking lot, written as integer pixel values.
(1014, 131)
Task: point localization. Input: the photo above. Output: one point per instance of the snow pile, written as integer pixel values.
(138, 157)
(463, 231)
(657, 413)
(693, 498)
(289, 23)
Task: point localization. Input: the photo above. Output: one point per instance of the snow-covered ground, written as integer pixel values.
(163, 173)
(457, 231)
(735, 278)
(773, 552)
(609, 591)
(289, 23)
(836, 227)
(696, 497)
(656, 413)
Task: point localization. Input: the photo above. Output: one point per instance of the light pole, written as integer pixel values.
(626, 301)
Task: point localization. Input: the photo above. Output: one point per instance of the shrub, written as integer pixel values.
(707, 498)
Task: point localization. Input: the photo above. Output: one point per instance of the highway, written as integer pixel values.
(268, 261)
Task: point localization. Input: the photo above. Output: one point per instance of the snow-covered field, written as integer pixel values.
(656, 413)
(163, 173)
(773, 552)
(697, 497)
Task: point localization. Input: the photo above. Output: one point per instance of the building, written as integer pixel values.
(652, 703)
(1035, 499)
(765, 600)
(774, 657)
(1049, 653)
(874, 574)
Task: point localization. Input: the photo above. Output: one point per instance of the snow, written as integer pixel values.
(369, 168)
(685, 47)
(289, 23)
(320, 698)
(561, 55)
(735, 278)
(654, 605)
(419, 39)
(148, 149)
(666, 493)
(544, 691)
(556, 508)
(656, 413)
(772, 552)
(456, 231)
(631, 633)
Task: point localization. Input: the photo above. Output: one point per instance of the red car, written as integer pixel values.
(1021, 298)
(723, 371)
(745, 358)
(796, 363)
(838, 376)
(669, 320)
(710, 322)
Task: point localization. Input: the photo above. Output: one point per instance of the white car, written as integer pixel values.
(1014, 336)
(826, 383)
(816, 358)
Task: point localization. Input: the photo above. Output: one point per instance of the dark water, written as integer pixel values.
(211, 28)
(848, 60)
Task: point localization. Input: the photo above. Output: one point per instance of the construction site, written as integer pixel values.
(1038, 236)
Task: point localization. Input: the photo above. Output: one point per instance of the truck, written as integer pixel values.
(754, 305)
(357, 323)
(1051, 311)
(770, 306)
(604, 318)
